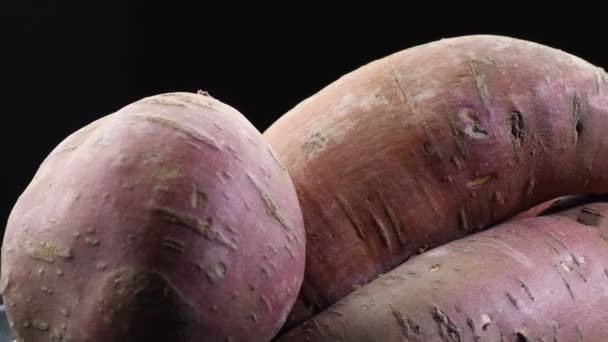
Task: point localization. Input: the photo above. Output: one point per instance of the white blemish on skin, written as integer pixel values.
(314, 144)
(475, 133)
(426, 94)
(328, 132)
(369, 102)
(166, 172)
(485, 321)
(437, 252)
(4, 282)
(472, 128)
(481, 181)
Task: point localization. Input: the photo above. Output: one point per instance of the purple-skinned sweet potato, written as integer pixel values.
(432, 144)
(536, 279)
(169, 220)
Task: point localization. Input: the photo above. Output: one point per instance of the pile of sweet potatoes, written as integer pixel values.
(371, 211)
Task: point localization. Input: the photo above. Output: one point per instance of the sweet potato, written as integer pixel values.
(434, 143)
(537, 279)
(169, 220)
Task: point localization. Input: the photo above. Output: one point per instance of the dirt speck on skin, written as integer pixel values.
(482, 181)
(91, 241)
(40, 325)
(48, 252)
(5, 281)
(315, 144)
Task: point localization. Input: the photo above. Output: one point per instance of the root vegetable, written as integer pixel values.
(169, 220)
(537, 279)
(432, 144)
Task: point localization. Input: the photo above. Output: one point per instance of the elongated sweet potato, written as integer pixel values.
(537, 279)
(169, 220)
(433, 143)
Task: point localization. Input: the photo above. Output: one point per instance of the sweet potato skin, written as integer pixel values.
(434, 143)
(169, 220)
(537, 279)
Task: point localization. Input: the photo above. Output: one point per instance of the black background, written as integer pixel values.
(65, 64)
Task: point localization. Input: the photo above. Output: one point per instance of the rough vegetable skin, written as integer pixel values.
(537, 279)
(432, 144)
(169, 220)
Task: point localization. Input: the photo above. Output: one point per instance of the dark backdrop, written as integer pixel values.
(64, 65)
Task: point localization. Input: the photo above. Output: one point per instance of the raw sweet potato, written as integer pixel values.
(537, 279)
(169, 220)
(434, 143)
